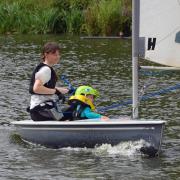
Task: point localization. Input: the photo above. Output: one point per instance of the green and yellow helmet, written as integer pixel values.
(85, 90)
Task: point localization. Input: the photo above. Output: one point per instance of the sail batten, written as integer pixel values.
(160, 31)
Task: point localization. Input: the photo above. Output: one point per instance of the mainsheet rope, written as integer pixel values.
(126, 102)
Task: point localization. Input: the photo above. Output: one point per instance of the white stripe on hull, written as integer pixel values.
(85, 129)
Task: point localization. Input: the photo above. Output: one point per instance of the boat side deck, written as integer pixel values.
(119, 121)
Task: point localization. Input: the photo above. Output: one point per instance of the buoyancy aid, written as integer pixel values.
(83, 99)
(50, 84)
(77, 104)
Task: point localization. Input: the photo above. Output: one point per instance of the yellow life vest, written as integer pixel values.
(83, 99)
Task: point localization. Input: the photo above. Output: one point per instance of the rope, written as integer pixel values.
(66, 82)
(125, 103)
(143, 98)
(151, 73)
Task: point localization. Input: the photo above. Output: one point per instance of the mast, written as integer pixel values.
(135, 54)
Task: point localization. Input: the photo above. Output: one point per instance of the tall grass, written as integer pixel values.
(91, 17)
(107, 17)
(73, 16)
(24, 17)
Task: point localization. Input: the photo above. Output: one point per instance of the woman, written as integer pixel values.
(43, 90)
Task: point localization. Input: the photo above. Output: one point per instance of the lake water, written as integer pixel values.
(106, 65)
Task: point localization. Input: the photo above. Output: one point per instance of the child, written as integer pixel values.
(81, 105)
(43, 89)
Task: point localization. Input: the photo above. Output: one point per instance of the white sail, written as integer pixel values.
(160, 31)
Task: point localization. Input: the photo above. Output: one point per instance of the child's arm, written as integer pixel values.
(90, 114)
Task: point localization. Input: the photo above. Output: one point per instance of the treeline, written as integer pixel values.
(85, 17)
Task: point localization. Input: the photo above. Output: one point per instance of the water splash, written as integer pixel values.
(128, 148)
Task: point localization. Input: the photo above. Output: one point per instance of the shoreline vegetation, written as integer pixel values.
(76, 17)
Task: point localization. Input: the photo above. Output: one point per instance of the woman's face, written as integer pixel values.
(52, 58)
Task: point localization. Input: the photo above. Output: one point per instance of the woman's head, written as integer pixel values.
(51, 52)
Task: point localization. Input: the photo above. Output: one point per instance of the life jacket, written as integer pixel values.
(77, 105)
(50, 84)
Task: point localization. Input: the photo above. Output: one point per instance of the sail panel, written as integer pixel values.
(160, 31)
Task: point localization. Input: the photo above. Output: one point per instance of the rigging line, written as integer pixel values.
(177, 28)
(152, 73)
(143, 98)
(168, 35)
(66, 82)
(178, 2)
(122, 103)
(125, 103)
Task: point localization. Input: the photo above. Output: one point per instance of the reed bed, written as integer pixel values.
(87, 17)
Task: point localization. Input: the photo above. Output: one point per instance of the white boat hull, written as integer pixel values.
(90, 133)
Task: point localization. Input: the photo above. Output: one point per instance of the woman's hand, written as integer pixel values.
(62, 90)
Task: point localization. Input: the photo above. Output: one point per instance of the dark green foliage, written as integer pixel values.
(89, 17)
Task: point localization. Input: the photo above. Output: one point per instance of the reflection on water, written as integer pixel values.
(106, 65)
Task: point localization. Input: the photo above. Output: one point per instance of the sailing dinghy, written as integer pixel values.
(155, 37)
(91, 133)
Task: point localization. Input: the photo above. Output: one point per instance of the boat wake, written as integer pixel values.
(129, 148)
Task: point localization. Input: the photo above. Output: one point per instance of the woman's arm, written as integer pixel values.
(39, 88)
(42, 77)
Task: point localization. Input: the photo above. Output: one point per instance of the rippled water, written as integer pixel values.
(106, 65)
